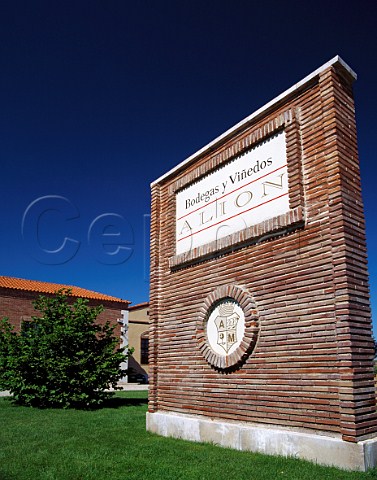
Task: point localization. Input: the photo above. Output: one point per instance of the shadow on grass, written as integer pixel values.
(113, 402)
(118, 402)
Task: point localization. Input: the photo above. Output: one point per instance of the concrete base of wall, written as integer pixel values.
(321, 449)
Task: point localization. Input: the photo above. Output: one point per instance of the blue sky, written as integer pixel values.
(98, 99)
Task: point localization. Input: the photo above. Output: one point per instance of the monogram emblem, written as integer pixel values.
(226, 324)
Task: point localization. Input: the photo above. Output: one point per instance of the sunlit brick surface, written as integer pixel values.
(311, 367)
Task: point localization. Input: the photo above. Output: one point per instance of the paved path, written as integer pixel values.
(133, 386)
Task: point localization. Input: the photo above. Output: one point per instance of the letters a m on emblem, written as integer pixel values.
(227, 327)
(226, 324)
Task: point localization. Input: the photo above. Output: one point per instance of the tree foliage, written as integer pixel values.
(62, 358)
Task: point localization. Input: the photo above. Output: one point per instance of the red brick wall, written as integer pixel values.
(312, 364)
(16, 304)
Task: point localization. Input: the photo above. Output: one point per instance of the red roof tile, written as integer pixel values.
(47, 287)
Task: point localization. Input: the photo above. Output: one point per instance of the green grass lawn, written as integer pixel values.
(111, 443)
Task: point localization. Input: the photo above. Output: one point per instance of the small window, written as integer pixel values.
(25, 319)
(144, 348)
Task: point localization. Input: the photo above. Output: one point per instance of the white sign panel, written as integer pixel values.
(248, 190)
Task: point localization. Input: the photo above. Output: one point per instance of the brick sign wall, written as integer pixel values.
(303, 358)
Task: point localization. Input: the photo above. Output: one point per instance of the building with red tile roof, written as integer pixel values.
(50, 288)
(17, 296)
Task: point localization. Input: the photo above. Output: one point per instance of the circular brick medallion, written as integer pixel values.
(227, 327)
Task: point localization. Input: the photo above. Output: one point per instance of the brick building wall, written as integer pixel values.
(17, 305)
(311, 362)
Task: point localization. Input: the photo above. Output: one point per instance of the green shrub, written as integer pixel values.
(61, 358)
